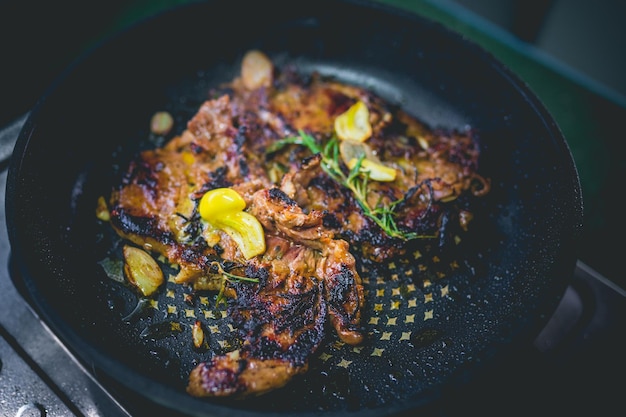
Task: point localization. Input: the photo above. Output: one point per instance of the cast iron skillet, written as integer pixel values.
(431, 325)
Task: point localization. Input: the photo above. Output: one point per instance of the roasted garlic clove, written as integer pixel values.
(220, 201)
(161, 123)
(375, 171)
(141, 270)
(354, 124)
(197, 334)
(256, 70)
(351, 152)
(102, 210)
(223, 208)
(245, 230)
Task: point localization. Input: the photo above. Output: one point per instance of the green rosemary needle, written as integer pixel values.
(356, 181)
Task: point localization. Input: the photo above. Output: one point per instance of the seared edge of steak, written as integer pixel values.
(305, 276)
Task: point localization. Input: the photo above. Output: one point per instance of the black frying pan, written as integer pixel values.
(431, 328)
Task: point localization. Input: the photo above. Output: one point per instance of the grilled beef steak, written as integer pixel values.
(270, 136)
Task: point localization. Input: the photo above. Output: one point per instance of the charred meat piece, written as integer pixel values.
(155, 206)
(281, 322)
(434, 167)
(304, 276)
(314, 225)
(333, 262)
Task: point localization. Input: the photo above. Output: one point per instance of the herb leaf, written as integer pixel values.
(228, 277)
(356, 181)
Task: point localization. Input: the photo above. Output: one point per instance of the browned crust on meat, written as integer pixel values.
(225, 376)
(313, 225)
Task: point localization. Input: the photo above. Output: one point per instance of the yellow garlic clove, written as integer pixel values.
(354, 124)
(197, 334)
(141, 270)
(220, 201)
(245, 230)
(376, 172)
(224, 209)
(256, 70)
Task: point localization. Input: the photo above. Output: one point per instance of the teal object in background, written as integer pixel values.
(591, 119)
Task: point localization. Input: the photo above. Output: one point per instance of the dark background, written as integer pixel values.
(589, 37)
(570, 52)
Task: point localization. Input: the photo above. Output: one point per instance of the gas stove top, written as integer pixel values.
(570, 368)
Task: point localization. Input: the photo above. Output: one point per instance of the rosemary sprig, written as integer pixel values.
(356, 181)
(228, 277)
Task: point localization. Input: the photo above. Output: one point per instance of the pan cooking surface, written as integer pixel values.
(430, 321)
(410, 303)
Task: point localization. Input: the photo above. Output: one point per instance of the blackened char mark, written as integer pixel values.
(345, 301)
(140, 226)
(279, 332)
(279, 196)
(265, 319)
